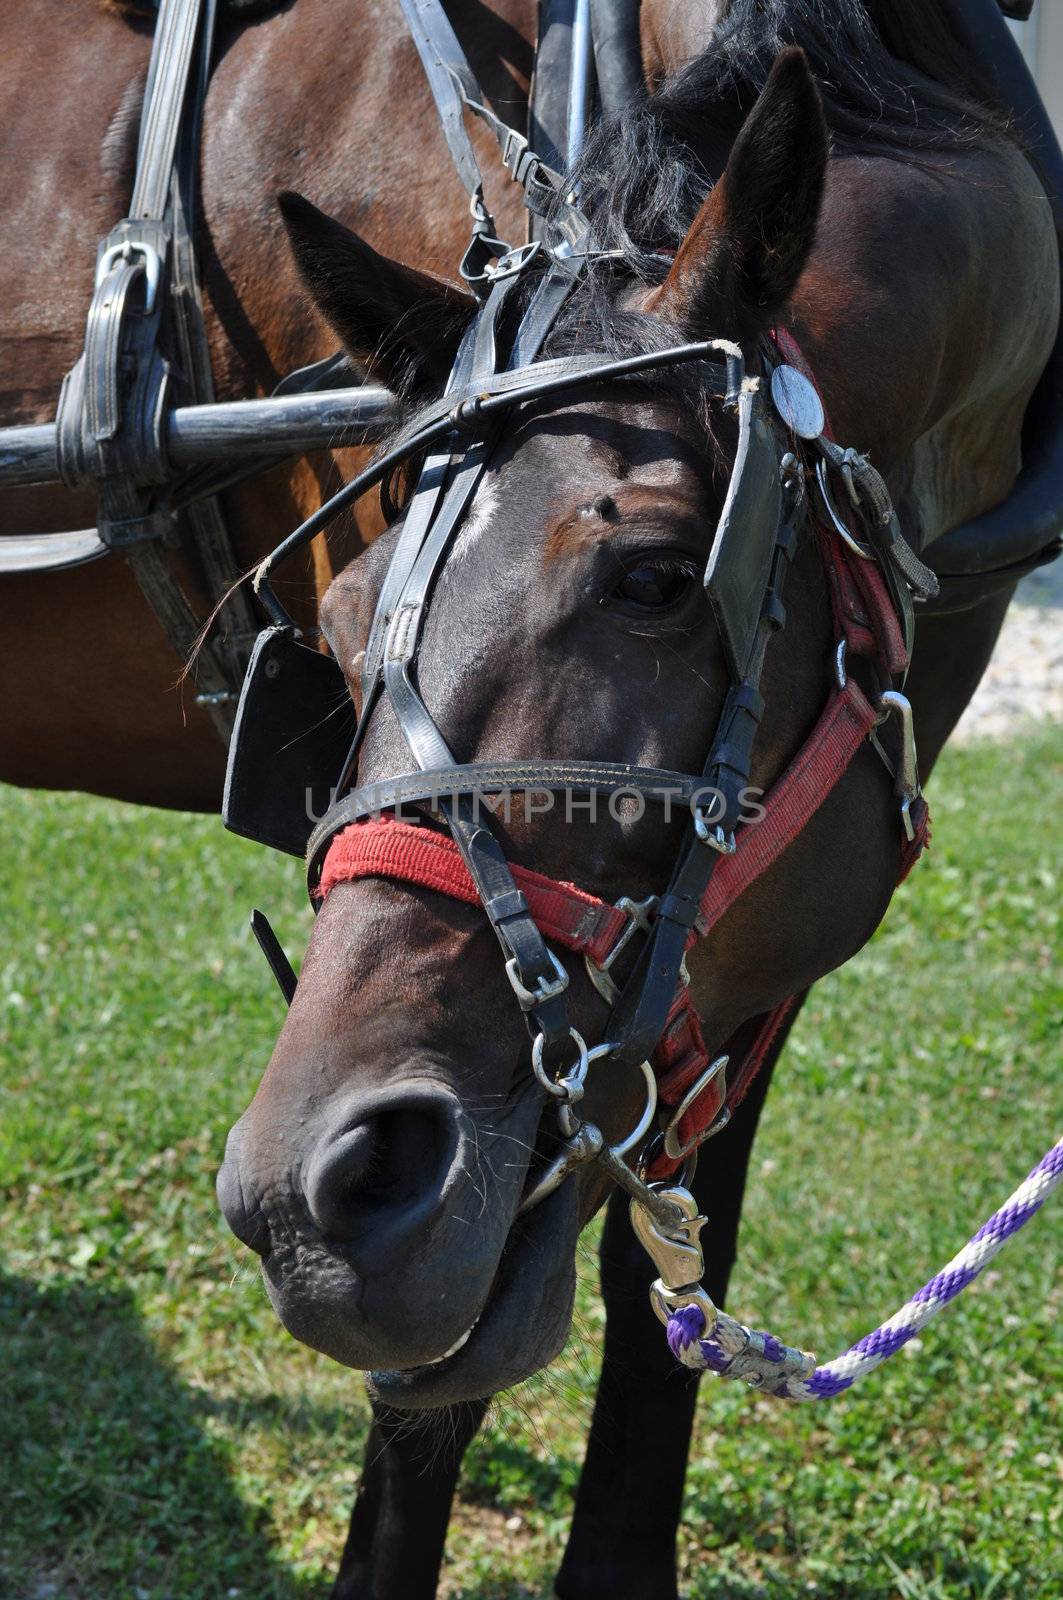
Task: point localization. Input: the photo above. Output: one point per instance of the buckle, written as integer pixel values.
(125, 250)
(525, 167)
(514, 261)
(640, 914)
(545, 988)
(714, 835)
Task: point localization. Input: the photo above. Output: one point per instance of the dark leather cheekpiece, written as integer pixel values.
(293, 730)
(739, 564)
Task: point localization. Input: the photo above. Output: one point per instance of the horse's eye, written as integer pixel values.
(653, 585)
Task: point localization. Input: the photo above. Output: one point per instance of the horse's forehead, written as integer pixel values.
(561, 469)
(600, 442)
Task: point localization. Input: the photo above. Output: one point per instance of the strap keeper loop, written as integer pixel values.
(510, 903)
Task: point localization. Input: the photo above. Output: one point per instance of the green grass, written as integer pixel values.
(161, 1436)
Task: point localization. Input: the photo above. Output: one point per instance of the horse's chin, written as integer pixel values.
(523, 1324)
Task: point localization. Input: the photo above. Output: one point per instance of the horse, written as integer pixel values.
(295, 99)
(794, 179)
(294, 102)
(283, 111)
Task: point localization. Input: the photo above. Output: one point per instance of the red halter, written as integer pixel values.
(405, 853)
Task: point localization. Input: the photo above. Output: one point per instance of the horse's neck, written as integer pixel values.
(925, 313)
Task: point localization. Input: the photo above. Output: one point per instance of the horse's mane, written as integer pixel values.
(894, 74)
(895, 81)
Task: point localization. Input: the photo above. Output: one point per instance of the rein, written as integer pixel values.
(785, 457)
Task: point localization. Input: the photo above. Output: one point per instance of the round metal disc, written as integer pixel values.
(797, 402)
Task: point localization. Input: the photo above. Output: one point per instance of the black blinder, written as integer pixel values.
(294, 728)
(739, 564)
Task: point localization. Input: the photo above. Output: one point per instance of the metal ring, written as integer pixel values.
(645, 1122)
(682, 1179)
(571, 1125)
(570, 1087)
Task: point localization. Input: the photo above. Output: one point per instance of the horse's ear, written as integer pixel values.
(402, 325)
(740, 262)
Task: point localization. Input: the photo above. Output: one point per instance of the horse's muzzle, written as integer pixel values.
(379, 1239)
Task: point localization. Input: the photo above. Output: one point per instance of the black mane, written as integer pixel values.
(896, 82)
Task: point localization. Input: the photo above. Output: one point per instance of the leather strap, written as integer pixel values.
(455, 90)
(109, 424)
(673, 791)
(793, 800)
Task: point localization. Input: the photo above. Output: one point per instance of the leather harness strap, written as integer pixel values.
(146, 317)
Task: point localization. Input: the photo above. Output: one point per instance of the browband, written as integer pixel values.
(458, 412)
(665, 788)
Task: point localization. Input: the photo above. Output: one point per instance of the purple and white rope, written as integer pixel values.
(764, 1362)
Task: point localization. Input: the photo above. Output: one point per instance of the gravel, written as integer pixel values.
(1024, 680)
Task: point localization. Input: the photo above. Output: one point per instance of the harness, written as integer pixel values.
(653, 1026)
(782, 482)
(652, 1019)
(137, 419)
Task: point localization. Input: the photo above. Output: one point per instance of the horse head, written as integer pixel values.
(380, 1168)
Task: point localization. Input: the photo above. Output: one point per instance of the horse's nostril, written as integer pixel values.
(246, 1220)
(390, 1167)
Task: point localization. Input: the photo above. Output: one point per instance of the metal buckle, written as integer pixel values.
(125, 251)
(514, 147)
(545, 989)
(714, 835)
(514, 261)
(640, 918)
(672, 1148)
(525, 167)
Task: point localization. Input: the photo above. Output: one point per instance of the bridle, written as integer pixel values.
(785, 455)
(785, 465)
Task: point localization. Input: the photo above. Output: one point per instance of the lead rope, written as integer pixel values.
(705, 1339)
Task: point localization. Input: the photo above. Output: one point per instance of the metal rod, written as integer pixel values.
(295, 422)
(664, 1213)
(197, 435)
(27, 455)
(581, 82)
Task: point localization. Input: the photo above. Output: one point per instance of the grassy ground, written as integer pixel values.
(159, 1434)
